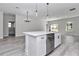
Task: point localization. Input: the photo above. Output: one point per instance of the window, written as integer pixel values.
(9, 24)
(54, 27)
(69, 26)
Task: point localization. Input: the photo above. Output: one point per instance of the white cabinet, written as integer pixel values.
(36, 43)
(57, 39)
(41, 45)
(35, 46)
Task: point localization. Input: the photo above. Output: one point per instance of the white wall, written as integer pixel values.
(5, 25)
(22, 26)
(44, 24)
(62, 25)
(1, 25)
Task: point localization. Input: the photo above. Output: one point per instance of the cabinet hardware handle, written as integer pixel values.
(58, 37)
(42, 37)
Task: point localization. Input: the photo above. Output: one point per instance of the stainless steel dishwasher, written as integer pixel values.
(49, 43)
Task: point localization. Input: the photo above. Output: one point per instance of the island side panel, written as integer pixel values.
(26, 44)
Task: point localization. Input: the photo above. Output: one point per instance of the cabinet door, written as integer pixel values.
(41, 45)
(57, 39)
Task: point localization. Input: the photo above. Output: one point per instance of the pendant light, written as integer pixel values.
(47, 4)
(27, 19)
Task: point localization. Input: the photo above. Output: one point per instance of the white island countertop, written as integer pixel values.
(37, 33)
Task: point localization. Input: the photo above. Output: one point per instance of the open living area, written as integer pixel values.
(39, 29)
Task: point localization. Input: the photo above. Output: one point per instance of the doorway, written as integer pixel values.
(11, 28)
(8, 25)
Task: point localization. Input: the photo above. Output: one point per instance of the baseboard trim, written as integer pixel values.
(5, 35)
(1, 37)
(74, 34)
(19, 35)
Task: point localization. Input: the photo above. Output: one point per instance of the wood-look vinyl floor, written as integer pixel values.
(14, 46)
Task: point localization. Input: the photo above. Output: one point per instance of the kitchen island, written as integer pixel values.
(37, 43)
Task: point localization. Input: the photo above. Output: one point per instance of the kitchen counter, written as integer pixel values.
(40, 43)
(37, 33)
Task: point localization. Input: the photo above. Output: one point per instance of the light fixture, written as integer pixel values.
(72, 9)
(47, 4)
(36, 11)
(27, 19)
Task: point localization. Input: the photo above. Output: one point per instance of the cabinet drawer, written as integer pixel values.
(42, 37)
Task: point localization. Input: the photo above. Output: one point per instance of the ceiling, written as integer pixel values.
(55, 10)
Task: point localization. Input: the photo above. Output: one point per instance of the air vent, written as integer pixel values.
(72, 9)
